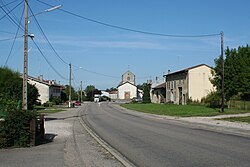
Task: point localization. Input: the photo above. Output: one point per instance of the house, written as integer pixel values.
(190, 83)
(46, 88)
(127, 89)
(113, 95)
(158, 93)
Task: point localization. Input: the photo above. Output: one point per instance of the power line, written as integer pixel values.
(48, 61)
(12, 14)
(9, 3)
(97, 73)
(132, 30)
(7, 32)
(11, 19)
(7, 39)
(40, 28)
(14, 39)
(9, 11)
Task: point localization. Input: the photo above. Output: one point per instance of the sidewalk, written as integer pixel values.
(68, 144)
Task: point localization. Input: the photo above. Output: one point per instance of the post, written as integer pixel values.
(222, 73)
(25, 63)
(70, 72)
(81, 92)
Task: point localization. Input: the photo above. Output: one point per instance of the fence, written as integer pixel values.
(237, 104)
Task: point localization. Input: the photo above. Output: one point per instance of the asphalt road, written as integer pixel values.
(153, 142)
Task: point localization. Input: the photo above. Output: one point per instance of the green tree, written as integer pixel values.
(89, 88)
(236, 73)
(73, 93)
(146, 94)
(11, 90)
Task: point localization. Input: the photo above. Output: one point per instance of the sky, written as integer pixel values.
(100, 54)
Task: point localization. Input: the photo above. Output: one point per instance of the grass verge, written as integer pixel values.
(55, 109)
(180, 110)
(238, 119)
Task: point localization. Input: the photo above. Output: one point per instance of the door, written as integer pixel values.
(180, 95)
(127, 95)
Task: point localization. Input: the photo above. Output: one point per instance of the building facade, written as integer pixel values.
(46, 88)
(127, 89)
(191, 83)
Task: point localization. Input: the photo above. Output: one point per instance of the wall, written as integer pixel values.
(43, 90)
(199, 84)
(127, 87)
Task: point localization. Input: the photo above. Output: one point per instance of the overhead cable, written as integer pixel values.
(132, 30)
(14, 39)
(7, 39)
(40, 28)
(9, 11)
(11, 19)
(48, 61)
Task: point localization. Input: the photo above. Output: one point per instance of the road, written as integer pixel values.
(153, 142)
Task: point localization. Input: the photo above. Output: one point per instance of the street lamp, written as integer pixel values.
(25, 64)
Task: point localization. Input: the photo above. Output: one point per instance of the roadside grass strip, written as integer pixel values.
(238, 119)
(180, 110)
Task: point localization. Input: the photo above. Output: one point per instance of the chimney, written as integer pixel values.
(168, 71)
(40, 77)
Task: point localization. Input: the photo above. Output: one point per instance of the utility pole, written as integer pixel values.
(70, 72)
(222, 73)
(25, 63)
(81, 92)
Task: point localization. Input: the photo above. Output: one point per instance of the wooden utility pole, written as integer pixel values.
(25, 63)
(81, 92)
(70, 72)
(222, 73)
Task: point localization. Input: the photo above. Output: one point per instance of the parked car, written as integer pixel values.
(77, 103)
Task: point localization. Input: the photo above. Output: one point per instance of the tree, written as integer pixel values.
(236, 73)
(73, 93)
(146, 94)
(89, 88)
(11, 90)
(111, 89)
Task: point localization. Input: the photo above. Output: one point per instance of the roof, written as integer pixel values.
(186, 70)
(45, 82)
(128, 72)
(125, 83)
(163, 85)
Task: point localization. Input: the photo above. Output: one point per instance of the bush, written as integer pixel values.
(213, 100)
(55, 100)
(15, 130)
(48, 104)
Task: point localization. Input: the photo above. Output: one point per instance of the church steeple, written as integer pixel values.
(128, 77)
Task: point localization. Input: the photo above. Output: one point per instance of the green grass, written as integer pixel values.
(238, 119)
(41, 109)
(179, 110)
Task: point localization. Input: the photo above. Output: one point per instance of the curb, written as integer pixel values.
(124, 161)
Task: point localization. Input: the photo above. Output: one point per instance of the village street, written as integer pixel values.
(140, 139)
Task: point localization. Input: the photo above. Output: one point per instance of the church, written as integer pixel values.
(127, 89)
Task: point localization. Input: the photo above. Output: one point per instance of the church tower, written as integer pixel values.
(128, 77)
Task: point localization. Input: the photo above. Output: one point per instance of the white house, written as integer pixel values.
(46, 88)
(127, 89)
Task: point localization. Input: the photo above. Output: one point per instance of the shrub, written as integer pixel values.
(48, 104)
(55, 100)
(15, 130)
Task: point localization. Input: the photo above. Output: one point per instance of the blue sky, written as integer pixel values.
(105, 53)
